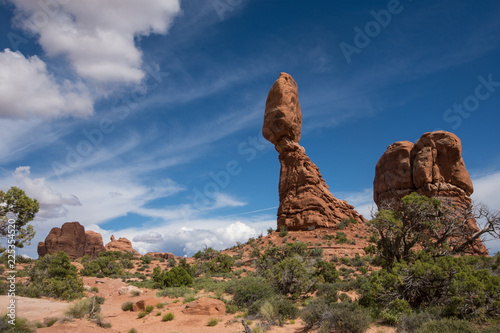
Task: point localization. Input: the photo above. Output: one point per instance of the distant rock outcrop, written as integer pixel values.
(164, 255)
(72, 239)
(433, 167)
(305, 199)
(121, 244)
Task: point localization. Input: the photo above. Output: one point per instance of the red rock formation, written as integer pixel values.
(433, 167)
(121, 244)
(72, 239)
(164, 255)
(206, 307)
(305, 199)
(94, 244)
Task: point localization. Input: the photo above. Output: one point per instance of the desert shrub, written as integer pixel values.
(412, 322)
(176, 277)
(255, 253)
(135, 293)
(312, 314)
(168, 316)
(54, 276)
(291, 276)
(48, 322)
(447, 325)
(128, 306)
(339, 317)
(213, 322)
(328, 292)
(327, 271)
(171, 262)
(455, 284)
(340, 238)
(250, 289)
(317, 252)
(283, 231)
(270, 231)
(176, 292)
(279, 309)
(398, 307)
(149, 308)
(187, 267)
(207, 254)
(160, 305)
(21, 325)
(344, 223)
(146, 260)
(142, 314)
(492, 329)
(80, 309)
(132, 330)
(106, 264)
(99, 320)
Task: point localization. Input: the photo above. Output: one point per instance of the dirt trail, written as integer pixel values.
(34, 309)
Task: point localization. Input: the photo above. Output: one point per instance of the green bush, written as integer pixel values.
(412, 322)
(250, 289)
(176, 292)
(339, 317)
(54, 276)
(106, 264)
(80, 309)
(291, 276)
(328, 292)
(146, 260)
(176, 277)
(142, 314)
(283, 231)
(21, 325)
(128, 306)
(340, 238)
(327, 271)
(279, 309)
(168, 316)
(456, 284)
(213, 322)
(447, 325)
(270, 231)
(149, 308)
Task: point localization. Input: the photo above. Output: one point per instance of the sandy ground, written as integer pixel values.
(34, 309)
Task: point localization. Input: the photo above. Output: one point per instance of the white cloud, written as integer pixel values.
(362, 201)
(97, 36)
(52, 204)
(216, 233)
(28, 89)
(487, 190)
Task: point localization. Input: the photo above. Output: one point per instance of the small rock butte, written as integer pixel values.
(433, 167)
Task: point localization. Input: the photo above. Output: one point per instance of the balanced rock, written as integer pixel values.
(433, 167)
(305, 199)
(72, 239)
(121, 244)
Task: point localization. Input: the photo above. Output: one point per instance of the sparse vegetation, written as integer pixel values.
(213, 322)
(128, 306)
(54, 276)
(168, 316)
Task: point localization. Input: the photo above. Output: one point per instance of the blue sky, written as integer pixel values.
(143, 119)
